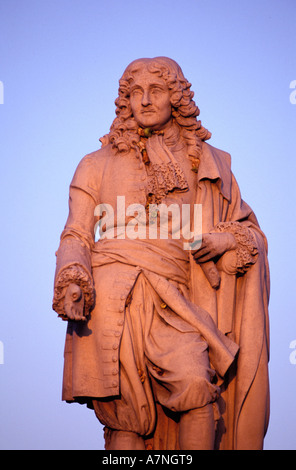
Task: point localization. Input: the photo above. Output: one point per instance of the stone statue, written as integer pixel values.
(167, 336)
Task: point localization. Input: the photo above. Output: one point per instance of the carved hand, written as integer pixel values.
(214, 245)
(74, 303)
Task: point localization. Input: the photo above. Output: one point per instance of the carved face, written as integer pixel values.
(150, 100)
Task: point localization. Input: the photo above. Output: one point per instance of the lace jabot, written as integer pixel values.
(163, 170)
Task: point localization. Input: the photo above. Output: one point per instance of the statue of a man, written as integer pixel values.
(167, 338)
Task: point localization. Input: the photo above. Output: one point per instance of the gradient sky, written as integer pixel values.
(60, 61)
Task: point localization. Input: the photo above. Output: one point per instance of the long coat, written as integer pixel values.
(238, 308)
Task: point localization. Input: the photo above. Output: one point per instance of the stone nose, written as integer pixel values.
(146, 101)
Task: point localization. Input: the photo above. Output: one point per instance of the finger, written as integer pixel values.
(201, 252)
(78, 314)
(73, 313)
(206, 258)
(194, 252)
(68, 312)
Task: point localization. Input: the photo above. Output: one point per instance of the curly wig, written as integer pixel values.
(123, 133)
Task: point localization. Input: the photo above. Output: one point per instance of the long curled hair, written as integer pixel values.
(123, 133)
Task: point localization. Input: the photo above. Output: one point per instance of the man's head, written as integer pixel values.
(152, 93)
(150, 100)
(166, 71)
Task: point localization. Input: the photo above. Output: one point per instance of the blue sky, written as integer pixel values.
(60, 61)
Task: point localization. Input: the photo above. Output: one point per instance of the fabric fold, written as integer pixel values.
(222, 350)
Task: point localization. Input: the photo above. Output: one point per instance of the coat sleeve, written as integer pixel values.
(73, 257)
(243, 224)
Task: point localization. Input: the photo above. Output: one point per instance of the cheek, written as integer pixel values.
(134, 104)
(166, 103)
(166, 108)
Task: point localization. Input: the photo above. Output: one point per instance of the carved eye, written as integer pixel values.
(156, 90)
(136, 92)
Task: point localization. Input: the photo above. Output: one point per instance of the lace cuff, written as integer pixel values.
(246, 251)
(77, 274)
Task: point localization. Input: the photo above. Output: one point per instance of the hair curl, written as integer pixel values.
(123, 133)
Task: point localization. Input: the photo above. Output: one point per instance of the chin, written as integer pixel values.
(148, 123)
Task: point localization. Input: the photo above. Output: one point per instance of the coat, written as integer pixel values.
(235, 315)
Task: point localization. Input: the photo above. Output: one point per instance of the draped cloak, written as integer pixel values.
(232, 318)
